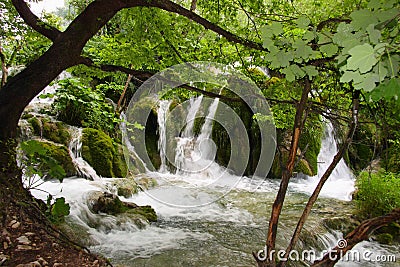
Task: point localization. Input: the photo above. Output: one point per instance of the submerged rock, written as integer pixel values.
(103, 202)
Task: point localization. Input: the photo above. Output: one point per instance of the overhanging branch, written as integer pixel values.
(33, 21)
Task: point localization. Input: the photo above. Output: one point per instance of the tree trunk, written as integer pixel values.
(313, 198)
(286, 175)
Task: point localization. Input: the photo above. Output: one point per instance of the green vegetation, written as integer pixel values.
(57, 209)
(47, 160)
(377, 193)
(78, 104)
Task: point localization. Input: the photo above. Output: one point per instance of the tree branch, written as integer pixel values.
(313, 198)
(359, 234)
(33, 21)
(286, 174)
(175, 8)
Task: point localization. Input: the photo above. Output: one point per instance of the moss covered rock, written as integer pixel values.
(103, 202)
(126, 187)
(53, 131)
(57, 152)
(303, 166)
(100, 152)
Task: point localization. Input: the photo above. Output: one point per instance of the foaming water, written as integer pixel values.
(340, 184)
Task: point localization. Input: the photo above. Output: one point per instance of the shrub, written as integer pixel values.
(378, 193)
(78, 104)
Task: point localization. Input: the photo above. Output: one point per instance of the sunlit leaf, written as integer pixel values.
(362, 58)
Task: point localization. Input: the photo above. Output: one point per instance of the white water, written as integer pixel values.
(340, 184)
(75, 150)
(195, 154)
(190, 233)
(162, 141)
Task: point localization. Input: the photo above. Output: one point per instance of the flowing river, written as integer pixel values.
(207, 222)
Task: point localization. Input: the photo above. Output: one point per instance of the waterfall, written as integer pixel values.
(162, 141)
(75, 150)
(194, 154)
(340, 184)
(185, 143)
(133, 161)
(194, 107)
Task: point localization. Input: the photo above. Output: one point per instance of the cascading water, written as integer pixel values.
(222, 233)
(75, 150)
(196, 154)
(340, 184)
(162, 141)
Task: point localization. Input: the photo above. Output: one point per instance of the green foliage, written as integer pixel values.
(378, 193)
(46, 160)
(365, 50)
(78, 104)
(57, 209)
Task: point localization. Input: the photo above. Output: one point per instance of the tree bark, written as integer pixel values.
(286, 175)
(313, 198)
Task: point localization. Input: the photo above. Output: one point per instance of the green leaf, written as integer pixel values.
(302, 49)
(303, 22)
(362, 18)
(362, 58)
(387, 90)
(329, 49)
(289, 75)
(380, 48)
(60, 209)
(280, 59)
(311, 71)
(349, 76)
(343, 32)
(292, 72)
(308, 36)
(368, 82)
(374, 35)
(31, 147)
(276, 28)
(381, 71)
(374, 4)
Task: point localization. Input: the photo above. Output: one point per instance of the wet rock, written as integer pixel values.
(103, 202)
(386, 238)
(126, 187)
(99, 151)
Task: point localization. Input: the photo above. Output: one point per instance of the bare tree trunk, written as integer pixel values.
(313, 198)
(119, 109)
(4, 69)
(286, 175)
(359, 234)
(193, 5)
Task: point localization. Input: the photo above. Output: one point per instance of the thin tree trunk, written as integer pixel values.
(119, 109)
(286, 175)
(313, 198)
(193, 6)
(4, 69)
